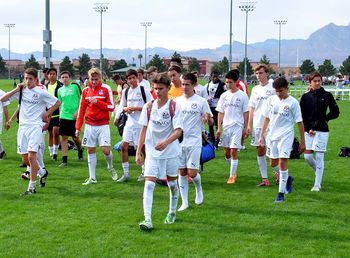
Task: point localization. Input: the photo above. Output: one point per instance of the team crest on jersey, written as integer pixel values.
(238, 100)
(35, 96)
(194, 106)
(138, 95)
(100, 92)
(166, 115)
(286, 108)
(268, 93)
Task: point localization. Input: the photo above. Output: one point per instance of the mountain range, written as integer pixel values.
(328, 42)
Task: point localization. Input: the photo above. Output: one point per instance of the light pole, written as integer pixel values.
(101, 8)
(246, 7)
(230, 55)
(9, 26)
(146, 24)
(279, 23)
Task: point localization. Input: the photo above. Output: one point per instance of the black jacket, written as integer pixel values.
(314, 105)
(219, 90)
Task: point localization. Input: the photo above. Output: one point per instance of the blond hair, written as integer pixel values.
(94, 72)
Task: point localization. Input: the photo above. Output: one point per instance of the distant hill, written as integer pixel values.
(329, 42)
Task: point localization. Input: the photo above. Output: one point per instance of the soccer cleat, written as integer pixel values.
(316, 188)
(29, 191)
(277, 178)
(183, 207)
(113, 173)
(42, 180)
(123, 179)
(89, 181)
(289, 184)
(23, 165)
(232, 179)
(25, 175)
(54, 157)
(279, 198)
(170, 218)
(63, 164)
(141, 178)
(264, 182)
(2, 155)
(146, 225)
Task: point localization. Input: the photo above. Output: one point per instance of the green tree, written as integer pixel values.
(307, 67)
(241, 68)
(157, 62)
(176, 55)
(221, 66)
(265, 60)
(3, 68)
(327, 68)
(119, 64)
(345, 67)
(32, 63)
(106, 68)
(140, 56)
(194, 65)
(84, 64)
(66, 65)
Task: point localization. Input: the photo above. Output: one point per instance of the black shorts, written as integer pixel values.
(67, 127)
(54, 121)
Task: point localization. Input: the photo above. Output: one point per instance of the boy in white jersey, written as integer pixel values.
(161, 122)
(232, 118)
(132, 101)
(32, 115)
(3, 110)
(196, 112)
(257, 103)
(281, 113)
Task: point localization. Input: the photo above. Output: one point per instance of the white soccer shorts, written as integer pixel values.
(160, 168)
(190, 157)
(280, 148)
(231, 138)
(29, 138)
(318, 142)
(131, 135)
(255, 137)
(96, 135)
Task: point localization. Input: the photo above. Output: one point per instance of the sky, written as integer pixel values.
(176, 24)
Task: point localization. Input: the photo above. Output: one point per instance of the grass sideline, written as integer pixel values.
(66, 219)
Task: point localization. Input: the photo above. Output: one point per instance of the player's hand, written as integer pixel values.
(139, 159)
(247, 132)
(206, 118)
(77, 133)
(161, 146)
(20, 86)
(217, 134)
(261, 142)
(7, 125)
(46, 117)
(302, 147)
(45, 127)
(312, 132)
(92, 100)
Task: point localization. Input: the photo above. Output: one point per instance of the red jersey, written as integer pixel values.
(242, 86)
(98, 113)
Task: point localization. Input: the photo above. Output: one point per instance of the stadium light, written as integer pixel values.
(9, 26)
(101, 8)
(146, 24)
(230, 55)
(246, 7)
(279, 23)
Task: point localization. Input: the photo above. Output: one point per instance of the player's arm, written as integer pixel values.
(175, 135)
(12, 118)
(219, 126)
(263, 130)
(302, 137)
(140, 143)
(107, 105)
(246, 119)
(250, 121)
(49, 112)
(9, 94)
(81, 113)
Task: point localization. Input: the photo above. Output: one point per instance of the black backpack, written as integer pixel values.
(344, 152)
(295, 154)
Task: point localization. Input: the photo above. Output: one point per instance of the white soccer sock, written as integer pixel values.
(143, 169)
(28, 168)
(148, 199)
(309, 157)
(125, 166)
(41, 171)
(197, 180)
(233, 167)
(55, 149)
(31, 184)
(262, 166)
(51, 150)
(283, 181)
(92, 165)
(228, 161)
(1, 147)
(109, 159)
(174, 195)
(183, 184)
(319, 168)
(40, 157)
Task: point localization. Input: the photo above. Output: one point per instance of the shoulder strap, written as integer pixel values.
(143, 93)
(149, 109)
(126, 95)
(20, 96)
(172, 107)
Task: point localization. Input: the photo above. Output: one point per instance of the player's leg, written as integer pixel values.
(104, 141)
(171, 168)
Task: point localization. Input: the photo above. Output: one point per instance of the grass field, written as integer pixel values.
(66, 219)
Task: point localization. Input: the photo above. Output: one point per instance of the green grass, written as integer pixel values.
(66, 219)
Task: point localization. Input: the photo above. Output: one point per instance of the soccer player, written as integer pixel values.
(132, 101)
(3, 110)
(69, 95)
(314, 105)
(241, 84)
(196, 111)
(200, 89)
(32, 115)
(174, 73)
(142, 81)
(257, 102)
(281, 113)
(95, 104)
(54, 138)
(232, 109)
(161, 122)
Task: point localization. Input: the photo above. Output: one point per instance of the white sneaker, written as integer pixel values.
(183, 207)
(123, 179)
(89, 181)
(114, 173)
(141, 178)
(316, 188)
(146, 225)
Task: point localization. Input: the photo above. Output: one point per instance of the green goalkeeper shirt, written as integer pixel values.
(70, 99)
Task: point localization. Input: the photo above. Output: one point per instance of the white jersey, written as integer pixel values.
(258, 101)
(283, 114)
(3, 104)
(134, 100)
(233, 106)
(159, 127)
(33, 105)
(193, 109)
(201, 91)
(145, 84)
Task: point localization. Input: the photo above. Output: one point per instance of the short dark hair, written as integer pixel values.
(141, 71)
(52, 69)
(191, 77)
(215, 72)
(65, 72)
(131, 72)
(313, 75)
(45, 70)
(176, 60)
(279, 83)
(175, 68)
(32, 71)
(116, 77)
(232, 75)
(162, 78)
(236, 71)
(259, 66)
